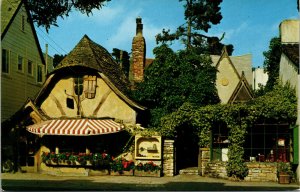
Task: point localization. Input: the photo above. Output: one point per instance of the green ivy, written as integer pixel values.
(279, 105)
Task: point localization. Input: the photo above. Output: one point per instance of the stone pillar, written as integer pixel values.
(168, 158)
(203, 159)
(138, 54)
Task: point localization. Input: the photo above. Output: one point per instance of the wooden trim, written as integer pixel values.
(103, 99)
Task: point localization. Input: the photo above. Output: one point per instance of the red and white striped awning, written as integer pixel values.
(75, 127)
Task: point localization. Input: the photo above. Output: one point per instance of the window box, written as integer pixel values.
(147, 173)
(122, 173)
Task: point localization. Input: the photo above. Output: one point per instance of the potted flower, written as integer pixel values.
(46, 158)
(101, 161)
(54, 158)
(62, 157)
(147, 169)
(284, 172)
(121, 166)
(72, 159)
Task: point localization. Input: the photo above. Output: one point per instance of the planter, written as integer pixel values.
(284, 178)
(122, 173)
(147, 173)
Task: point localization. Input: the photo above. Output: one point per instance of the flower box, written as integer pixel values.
(147, 173)
(122, 173)
(283, 178)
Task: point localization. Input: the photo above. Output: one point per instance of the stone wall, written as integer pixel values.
(203, 159)
(258, 171)
(216, 169)
(168, 158)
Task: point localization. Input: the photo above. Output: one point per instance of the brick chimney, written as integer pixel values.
(138, 54)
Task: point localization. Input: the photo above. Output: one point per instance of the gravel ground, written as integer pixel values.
(43, 182)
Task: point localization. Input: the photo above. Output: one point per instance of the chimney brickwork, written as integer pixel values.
(138, 53)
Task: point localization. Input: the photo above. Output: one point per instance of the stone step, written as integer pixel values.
(189, 171)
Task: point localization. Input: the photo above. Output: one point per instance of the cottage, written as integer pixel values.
(82, 106)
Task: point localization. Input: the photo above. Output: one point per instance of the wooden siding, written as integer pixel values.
(18, 86)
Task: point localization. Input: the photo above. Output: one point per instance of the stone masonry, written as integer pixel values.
(138, 53)
(168, 158)
(258, 171)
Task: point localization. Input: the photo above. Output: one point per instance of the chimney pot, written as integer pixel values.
(139, 26)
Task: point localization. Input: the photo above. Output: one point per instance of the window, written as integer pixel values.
(30, 67)
(90, 86)
(70, 103)
(268, 143)
(5, 61)
(78, 85)
(39, 73)
(23, 23)
(220, 142)
(20, 63)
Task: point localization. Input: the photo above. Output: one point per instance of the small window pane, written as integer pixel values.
(30, 67)
(5, 61)
(20, 63)
(39, 73)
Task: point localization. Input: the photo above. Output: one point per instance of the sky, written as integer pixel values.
(248, 24)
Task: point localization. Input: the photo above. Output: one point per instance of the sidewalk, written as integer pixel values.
(40, 182)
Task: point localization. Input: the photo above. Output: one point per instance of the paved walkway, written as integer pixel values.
(43, 182)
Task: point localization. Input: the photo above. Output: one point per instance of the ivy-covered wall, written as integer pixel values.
(279, 105)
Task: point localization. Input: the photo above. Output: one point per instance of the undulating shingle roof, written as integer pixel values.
(292, 52)
(92, 55)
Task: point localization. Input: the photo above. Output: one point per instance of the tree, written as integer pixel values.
(57, 58)
(199, 15)
(175, 78)
(272, 60)
(122, 57)
(46, 12)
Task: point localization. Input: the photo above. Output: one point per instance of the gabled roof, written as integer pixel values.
(292, 52)
(92, 55)
(225, 55)
(242, 92)
(9, 10)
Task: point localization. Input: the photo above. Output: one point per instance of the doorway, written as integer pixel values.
(187, 148)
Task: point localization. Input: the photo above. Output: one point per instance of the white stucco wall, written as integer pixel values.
(108, 102)
(289, 31)
(259, 78)
(227, 80)
(288, 72)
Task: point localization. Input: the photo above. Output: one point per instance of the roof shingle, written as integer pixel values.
(92, 55)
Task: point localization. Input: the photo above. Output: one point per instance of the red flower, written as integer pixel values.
(125, 164)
